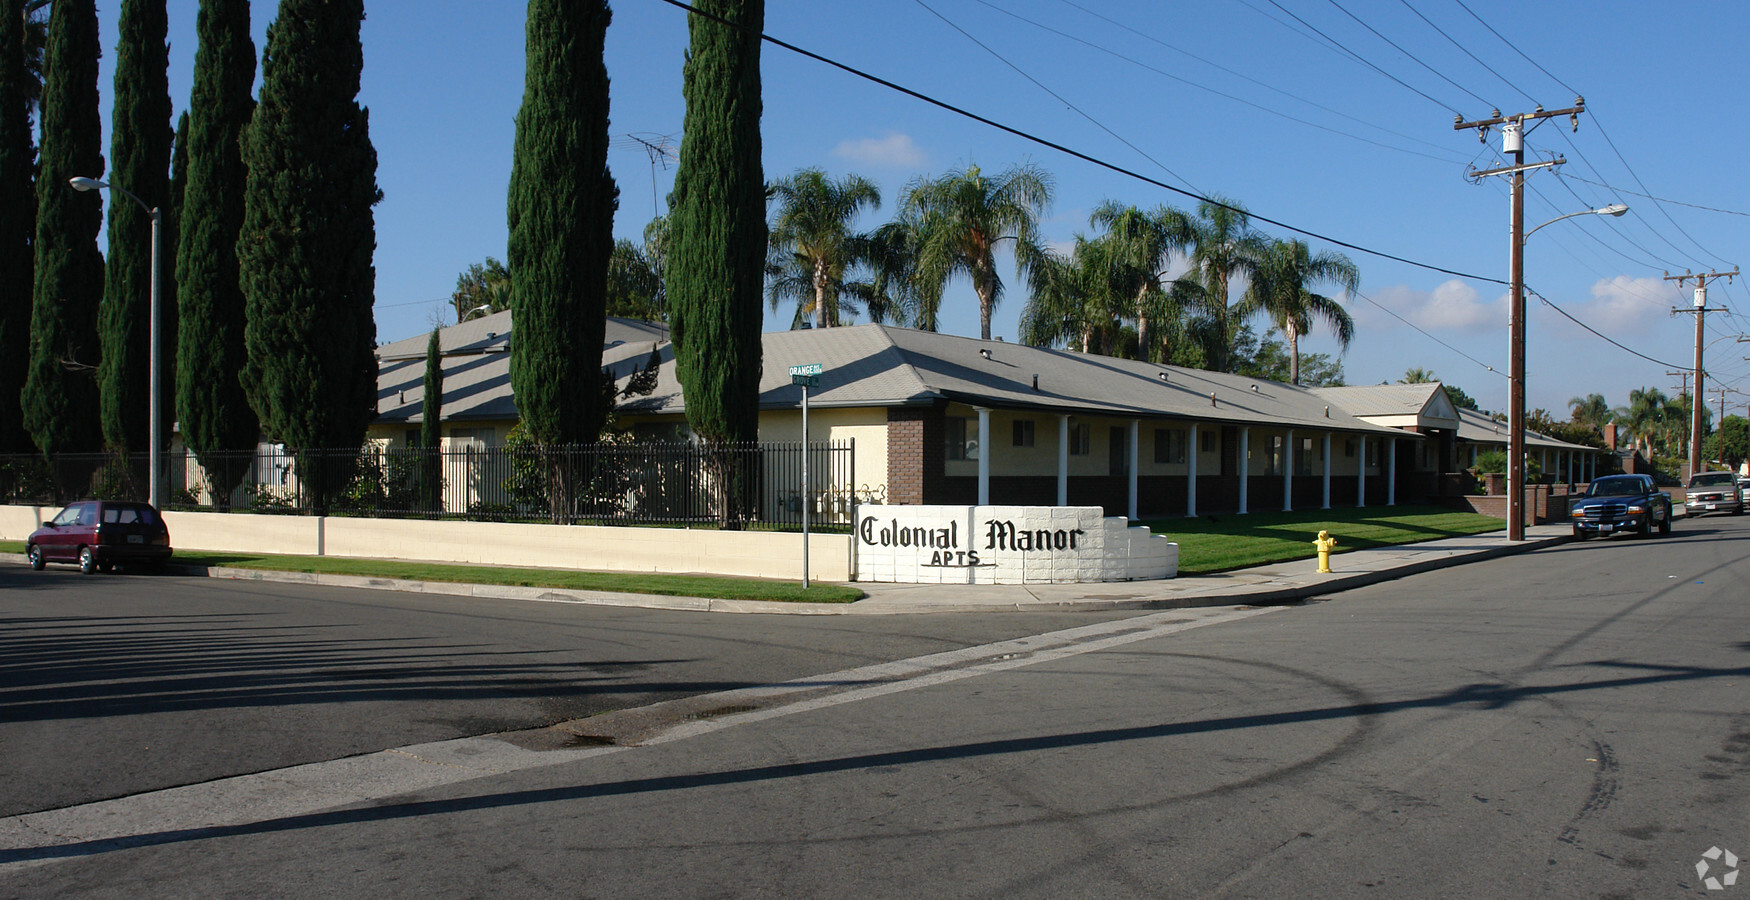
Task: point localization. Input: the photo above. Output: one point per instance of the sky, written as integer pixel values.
(1331, 116)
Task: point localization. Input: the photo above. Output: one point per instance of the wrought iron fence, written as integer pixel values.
(632, 483)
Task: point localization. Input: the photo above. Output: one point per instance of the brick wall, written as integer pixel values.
(916, 450)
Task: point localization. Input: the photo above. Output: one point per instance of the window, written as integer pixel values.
(1273, 455)
(1117, 451)
(1206, 439)
(1349, 447)
(1023, 432)
(1303, 457)
(1170, 445)
(959, 446)
(1079, 439)
(411, 437)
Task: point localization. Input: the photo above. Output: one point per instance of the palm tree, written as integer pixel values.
(1591, 411)
(1418, 375)
(812, 244)
(1644, 416)
(1143, 245)
(959, 219)
(1079, 299)
(1223, 245)
(1280, 289)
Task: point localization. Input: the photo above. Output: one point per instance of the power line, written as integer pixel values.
(1388, 311)
(1059, 97)
(1242, 76)
(1462, 49)
(1237, 99)
(1413, 57)
(1345, 50)
(1514, 48)
(1076, 154)
(1599, 334)
(1611, 187)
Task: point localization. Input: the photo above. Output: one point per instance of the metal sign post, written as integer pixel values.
(805, 376)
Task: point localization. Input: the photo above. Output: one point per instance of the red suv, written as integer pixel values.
(99, 534)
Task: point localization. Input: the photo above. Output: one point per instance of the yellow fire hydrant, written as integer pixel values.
(1325, 543)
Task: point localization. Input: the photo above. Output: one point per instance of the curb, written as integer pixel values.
(1262, 597)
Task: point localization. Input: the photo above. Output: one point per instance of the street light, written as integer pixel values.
(154, 417)
(1516, 391)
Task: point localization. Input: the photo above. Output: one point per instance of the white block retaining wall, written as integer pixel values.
(1006, 545)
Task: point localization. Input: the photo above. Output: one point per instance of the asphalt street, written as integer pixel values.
(1572, 722)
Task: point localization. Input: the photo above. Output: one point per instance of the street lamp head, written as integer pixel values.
(81, 183)
(1614, 209)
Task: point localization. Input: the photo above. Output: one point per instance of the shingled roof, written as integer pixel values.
(881, 365)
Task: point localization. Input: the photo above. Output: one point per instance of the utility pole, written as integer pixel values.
(1513, 145)
(1701, 310)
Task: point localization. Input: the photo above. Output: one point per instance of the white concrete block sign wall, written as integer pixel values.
(1006, 545)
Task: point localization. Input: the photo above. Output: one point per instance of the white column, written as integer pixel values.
(983, 456)
(1361, 479)
(1245, 465)
(1473, 456)
(1191, 472)
(1327, 471)
(1135, 430)
(1063, 460)
(1288, 471)
(1391, 472)
(1543, 461)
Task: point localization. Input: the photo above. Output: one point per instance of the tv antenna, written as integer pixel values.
(661, 148)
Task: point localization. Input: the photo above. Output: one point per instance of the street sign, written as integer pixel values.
(806, 374)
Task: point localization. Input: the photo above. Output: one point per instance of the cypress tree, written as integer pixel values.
(308, 234)
(169, 313)
(217, 422)
(431, 481)
(60, 393)
(139, 157)
(717, 234)
(17, 221)
(561, 214)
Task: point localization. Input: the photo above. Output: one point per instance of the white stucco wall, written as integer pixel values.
(1006, 545)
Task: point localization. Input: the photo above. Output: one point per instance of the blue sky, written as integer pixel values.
(1241, 98)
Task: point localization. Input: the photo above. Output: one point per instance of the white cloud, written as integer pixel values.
(1452, 306)
(1624, 305)
(893, 150)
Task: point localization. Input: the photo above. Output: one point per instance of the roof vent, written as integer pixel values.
(1211, 398)
(403, 399)
(1327, 412)
(1254, 389)
(1163, 376)
(1035, 381)
(984, 352)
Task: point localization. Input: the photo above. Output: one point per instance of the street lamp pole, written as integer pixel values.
(155, 417)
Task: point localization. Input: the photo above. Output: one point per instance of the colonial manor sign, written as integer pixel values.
(1006, 545)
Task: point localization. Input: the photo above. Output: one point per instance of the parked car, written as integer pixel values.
(1713, 492)
(1744, 490)
(100, 534)
(1621, 503)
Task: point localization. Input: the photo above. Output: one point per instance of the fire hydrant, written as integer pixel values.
(1325, 543)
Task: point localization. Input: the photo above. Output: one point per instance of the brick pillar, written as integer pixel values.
(915, 453)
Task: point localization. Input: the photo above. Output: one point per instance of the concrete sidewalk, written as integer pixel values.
(1263, 585)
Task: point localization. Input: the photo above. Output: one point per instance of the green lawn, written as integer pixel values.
(633, 583)
(1222, 542)
(1206, 544)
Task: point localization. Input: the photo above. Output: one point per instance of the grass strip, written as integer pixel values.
(707, 586)
(1221, 543)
